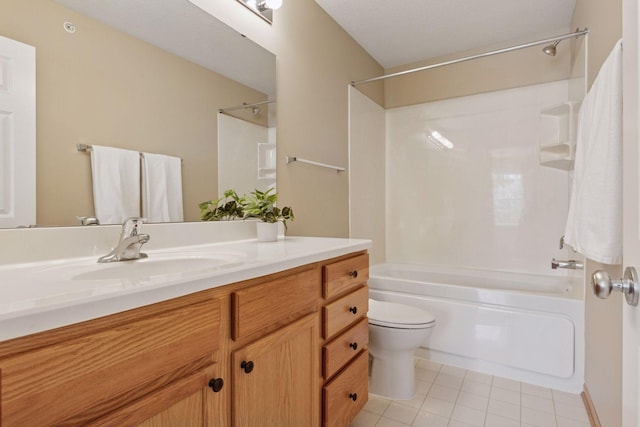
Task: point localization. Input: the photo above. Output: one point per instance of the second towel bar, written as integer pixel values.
(291, 159)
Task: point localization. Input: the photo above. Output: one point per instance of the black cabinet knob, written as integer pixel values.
(353, 345)
(247, 366)
(354, 274)
(216, 384)
(354, 310)
(353, 396)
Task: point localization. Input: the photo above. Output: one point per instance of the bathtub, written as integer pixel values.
(520, 326)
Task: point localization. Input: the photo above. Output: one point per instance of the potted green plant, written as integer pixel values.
(261, 205)
(228, 207)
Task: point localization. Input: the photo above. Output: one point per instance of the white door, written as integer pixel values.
(631, 218)
(17, 134)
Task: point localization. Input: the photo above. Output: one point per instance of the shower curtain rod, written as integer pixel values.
(239, 107)
(576, 33)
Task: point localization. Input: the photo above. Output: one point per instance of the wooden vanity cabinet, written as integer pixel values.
(345, 330)
(119, 370)
(274, 362)
(286, 348)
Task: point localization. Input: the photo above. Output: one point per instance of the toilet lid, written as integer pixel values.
(401, 316)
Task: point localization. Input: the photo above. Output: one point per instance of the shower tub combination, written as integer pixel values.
(520, 326)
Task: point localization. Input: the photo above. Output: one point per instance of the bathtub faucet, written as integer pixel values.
(571, 264)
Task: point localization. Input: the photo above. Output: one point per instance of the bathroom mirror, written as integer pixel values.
(145, 75)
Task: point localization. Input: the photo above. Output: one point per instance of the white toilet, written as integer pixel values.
(395, 332)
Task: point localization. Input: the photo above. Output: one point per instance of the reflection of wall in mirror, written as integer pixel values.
(100, 86)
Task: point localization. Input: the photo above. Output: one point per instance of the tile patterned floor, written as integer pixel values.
(453, 397)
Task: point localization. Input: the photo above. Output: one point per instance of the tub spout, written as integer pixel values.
(570, 264)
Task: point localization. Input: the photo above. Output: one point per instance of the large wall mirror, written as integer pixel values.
(145, 75)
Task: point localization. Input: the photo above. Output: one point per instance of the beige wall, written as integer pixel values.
(504, 71)
(316, 60)
(100, 86)
(604, 20)
(603, 318)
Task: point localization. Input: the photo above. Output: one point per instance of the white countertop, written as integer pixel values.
(43, 295)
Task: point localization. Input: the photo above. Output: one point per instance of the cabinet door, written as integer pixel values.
(111, 370)
(275, 379)
(182, 403)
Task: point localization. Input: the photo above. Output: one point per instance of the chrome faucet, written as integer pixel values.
(128, 248)
(88, 220)
(570, 264)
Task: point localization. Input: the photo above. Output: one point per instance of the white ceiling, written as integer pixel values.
(398, 32)
(183, 29)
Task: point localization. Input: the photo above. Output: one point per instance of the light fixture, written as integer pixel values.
(263, 8)
(273, 4)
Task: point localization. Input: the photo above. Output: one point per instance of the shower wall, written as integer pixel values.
(239, 155)
(464, 186)
(367, 172)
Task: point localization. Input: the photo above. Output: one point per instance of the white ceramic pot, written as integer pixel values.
(267, 231)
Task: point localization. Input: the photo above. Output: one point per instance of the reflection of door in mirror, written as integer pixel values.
(246, 156)
(17, 133)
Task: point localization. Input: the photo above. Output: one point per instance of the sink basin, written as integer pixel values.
(157, 266)
(152, 267)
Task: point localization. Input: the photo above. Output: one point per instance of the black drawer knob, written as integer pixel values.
(354, 274)
(353, 396)
(353, 309)
(353, 345)
(216, 384)
(247, 366)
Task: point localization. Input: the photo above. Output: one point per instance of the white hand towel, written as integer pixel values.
(594, 224)
(161, 188)
(116, 184)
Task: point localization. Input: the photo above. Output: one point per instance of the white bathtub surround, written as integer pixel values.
(479, 199)
(521, 326)
(51, 278)
(242, 163)
(450, 396)
(367, 172)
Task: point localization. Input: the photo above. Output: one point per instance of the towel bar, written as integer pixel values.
(86, 147)
(291, 159)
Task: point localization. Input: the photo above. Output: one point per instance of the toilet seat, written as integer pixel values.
(400, 316)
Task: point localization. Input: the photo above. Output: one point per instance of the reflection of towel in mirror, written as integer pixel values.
(116, 184)
(161, 188)
(594, 224)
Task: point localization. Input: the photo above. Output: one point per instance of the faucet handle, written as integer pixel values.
(130, 226)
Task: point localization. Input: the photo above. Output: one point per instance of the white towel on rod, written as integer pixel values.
(594, 223)
(161, 188)
(116, 184)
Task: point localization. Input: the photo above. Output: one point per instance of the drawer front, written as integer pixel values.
(79, 380)
(345, 275)
(344, 347)
(345, 395)
(273, 304)
(345, 311)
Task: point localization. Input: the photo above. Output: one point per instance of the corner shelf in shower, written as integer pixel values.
(557, 135)
(267, 164)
